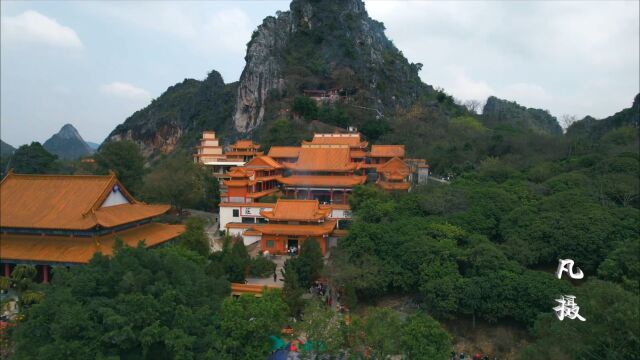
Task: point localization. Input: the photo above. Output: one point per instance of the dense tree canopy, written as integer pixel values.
(178, 181)
(139, 304)
(33, 159)
(125, 159)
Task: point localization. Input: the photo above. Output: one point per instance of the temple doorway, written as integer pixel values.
(292, 246)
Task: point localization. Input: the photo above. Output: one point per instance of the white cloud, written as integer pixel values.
(210, 27)
(530, 95)
(125, 90)
(461, 86)
(229, 29)
(32, 26)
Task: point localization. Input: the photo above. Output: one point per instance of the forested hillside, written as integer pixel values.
(487, 245)
(176, 119)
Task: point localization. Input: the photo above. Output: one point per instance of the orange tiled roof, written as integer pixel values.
(323, 159)
(252, 289)
(296, 210)
(340, 232)
(352, 140)
(68, 202)
(243, 153)
(253, 204)
(323, 181)
(387, 151)
(245, 144)
(284, 151)
(296, 230)
(335, 206)
(121, 214)
(63, 249)
(263, 162)
(239, 172)
(239, 226)
(260, 194)
(358, 153)
(393, 185)
(236, 182)
(395, 166)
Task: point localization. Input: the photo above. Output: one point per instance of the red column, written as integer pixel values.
(308, 194)
(331, 196)
(344, 196)
(7, 270)
(45, 274)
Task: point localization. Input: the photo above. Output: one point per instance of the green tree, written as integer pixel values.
(381, 327)
(324, 328)
(441, 285)
(292, 290)
(178, 181)
(304, 106)
(137, 304)
(195, 238)
(211, 197)
(309, 264)
(33, 159)
(282, 132)
(125, 159)
(424, 338)
(246, 324)
(374, 129)
(611, 329)
(23, 276)
(622, 265)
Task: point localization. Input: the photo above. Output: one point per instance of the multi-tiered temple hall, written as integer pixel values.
(62, 220)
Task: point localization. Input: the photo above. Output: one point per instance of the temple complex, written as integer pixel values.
(295, 193)
(63, 220)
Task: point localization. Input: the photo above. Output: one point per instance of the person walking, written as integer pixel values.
(275, 276)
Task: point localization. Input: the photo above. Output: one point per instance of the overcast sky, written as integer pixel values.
(93, 64)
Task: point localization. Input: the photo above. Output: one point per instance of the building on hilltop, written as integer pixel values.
(243, 150)
(353, 140)
(256, 179)
(380, 154)
(209, 149)
(210, 154)
(394, 175)
(325, 173)
(284, 154)
(286, 224)
(294, 193)
(63, 220)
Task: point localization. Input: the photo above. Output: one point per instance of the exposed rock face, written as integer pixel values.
(67, 144)
(498, 112)
(594, 129)
(319, 45)
(179, 116)
(262, 72)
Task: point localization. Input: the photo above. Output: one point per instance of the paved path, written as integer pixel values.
(279, 260)
(211, 228)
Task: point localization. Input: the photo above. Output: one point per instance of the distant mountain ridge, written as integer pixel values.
(92, 145)
(499, 112)
(6, 149)
(179, 115)
(594, 128)
(314, 45)
(67, 144)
